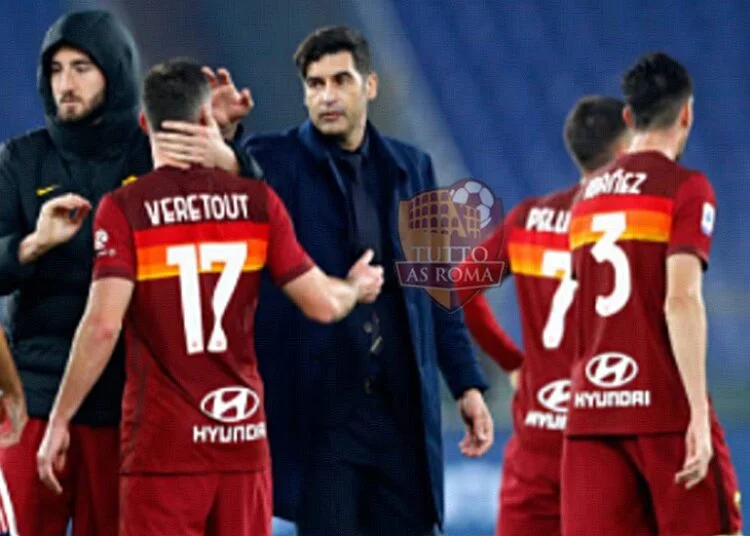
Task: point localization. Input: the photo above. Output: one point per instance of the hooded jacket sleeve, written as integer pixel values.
(249, 167)
(12, 272)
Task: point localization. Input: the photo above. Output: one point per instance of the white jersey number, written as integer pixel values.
(605, 250)
(186, 258)
(554, 262)
(613, 225)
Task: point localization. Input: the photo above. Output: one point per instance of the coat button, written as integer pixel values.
(369, 385)
(367, 327)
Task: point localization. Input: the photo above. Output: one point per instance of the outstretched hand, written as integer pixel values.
(229, 104)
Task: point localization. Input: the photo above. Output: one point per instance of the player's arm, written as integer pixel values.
(94, 341)
(685, 313)
(13, 405)
(327, 299)
(489, 335)
(478, 314)
(109, 297)
(319, 296)
(686, 321)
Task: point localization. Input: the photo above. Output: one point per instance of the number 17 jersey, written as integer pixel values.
(625, 222)
(194, 242)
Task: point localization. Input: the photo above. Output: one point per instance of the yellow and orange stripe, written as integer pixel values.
(526, 251)
(151, 245)
(648, 218)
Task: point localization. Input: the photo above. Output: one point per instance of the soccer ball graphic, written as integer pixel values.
(476, 194)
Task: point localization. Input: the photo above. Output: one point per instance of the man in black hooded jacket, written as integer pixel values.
(49, 181)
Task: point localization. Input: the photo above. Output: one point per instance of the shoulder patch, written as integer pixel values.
(708, 218)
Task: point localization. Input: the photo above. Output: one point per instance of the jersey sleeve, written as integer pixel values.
(478, 315)
(114, 252)
(693, 218)
(489, 335)
(286, 259)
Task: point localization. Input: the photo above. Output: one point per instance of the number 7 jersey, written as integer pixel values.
(194, 242)
(625, 222)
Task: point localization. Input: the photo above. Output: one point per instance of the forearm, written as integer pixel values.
(91, 350)
(9, 379)
(30, 249)
(686, 322)
(343, 297)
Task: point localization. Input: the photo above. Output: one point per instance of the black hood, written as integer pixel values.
(113, 49)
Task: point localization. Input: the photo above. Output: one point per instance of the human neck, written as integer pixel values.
(662, 141)
(161, 160)
(354, 140)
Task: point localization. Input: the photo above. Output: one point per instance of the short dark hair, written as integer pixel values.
(331, 40)
(591, 129)
(174, 90)
(655, 88)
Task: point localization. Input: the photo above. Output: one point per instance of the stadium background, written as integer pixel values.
(484, 87)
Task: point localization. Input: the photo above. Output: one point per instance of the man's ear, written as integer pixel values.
(628, 117)
(143, 123)
(686, 114)
(372, 83)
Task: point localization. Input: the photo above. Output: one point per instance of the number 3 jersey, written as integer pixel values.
(194, 242)
(625, 222)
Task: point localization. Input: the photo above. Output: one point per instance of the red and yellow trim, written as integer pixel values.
(648, 218)
(151, 246)
(526, 251)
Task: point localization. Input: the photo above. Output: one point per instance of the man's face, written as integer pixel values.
(336, 94)
(78, 85)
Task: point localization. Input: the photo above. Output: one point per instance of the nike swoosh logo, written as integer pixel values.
(44, 191)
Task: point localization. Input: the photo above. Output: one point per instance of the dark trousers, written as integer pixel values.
(368, 477)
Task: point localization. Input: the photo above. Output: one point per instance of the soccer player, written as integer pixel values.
(88, 76)
(644, 452)
(178, 258)
(533, 241)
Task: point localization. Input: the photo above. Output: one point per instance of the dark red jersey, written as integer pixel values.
(534, 246)
(625, 222)
(194, 242)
